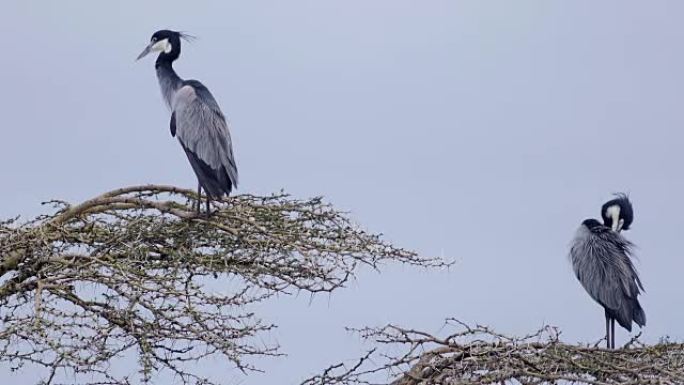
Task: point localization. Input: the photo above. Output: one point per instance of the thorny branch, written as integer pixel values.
(478, 355)
(135, 271)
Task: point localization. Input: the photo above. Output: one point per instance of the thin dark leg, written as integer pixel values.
(208, 206)
(612, 333)
(199, 197)
(607, 331)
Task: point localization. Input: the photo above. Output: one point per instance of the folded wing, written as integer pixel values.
(201, 129)
(601, 261)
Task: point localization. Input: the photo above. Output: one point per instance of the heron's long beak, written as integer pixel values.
(144, 53)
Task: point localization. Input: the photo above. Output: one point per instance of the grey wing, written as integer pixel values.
(601, 261)
(203, 132)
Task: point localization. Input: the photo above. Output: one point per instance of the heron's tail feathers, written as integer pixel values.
(224, 181)
(629, 312)
(638, 314)
(215, 182)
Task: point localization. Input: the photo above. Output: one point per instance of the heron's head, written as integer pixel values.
(167, 43)
(618, 213)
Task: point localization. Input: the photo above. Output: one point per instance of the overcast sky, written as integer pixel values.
(485, 131)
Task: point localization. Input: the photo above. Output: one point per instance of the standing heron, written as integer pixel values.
(196, 120)
(601, 259)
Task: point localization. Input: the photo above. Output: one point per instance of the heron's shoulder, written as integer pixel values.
(599, 234)
(195, 89)
(196, 85)
(185, 93)
(593, 227)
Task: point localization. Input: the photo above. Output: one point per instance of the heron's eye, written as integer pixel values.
(154, 39)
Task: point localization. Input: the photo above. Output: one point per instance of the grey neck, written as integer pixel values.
(169, 81)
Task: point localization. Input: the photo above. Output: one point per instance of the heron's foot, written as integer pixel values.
(208, 210)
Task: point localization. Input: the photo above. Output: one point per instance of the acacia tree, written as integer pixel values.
(477, 355)
(136, 272)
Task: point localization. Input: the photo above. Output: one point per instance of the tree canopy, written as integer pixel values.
(136, 271)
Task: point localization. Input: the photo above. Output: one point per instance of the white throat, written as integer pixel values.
(613, 212)
(162, 46)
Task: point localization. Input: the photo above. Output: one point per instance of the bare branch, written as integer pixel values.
(478, 355)
(135, 271)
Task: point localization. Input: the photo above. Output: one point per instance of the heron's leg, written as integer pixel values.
(612, 333)
(199, 197)
(607, 330)
(208, 205)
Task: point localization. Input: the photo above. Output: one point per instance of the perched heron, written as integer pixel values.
(601, 259)
(196, 120)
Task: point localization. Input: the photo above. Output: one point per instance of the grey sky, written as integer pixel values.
(485, 131)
